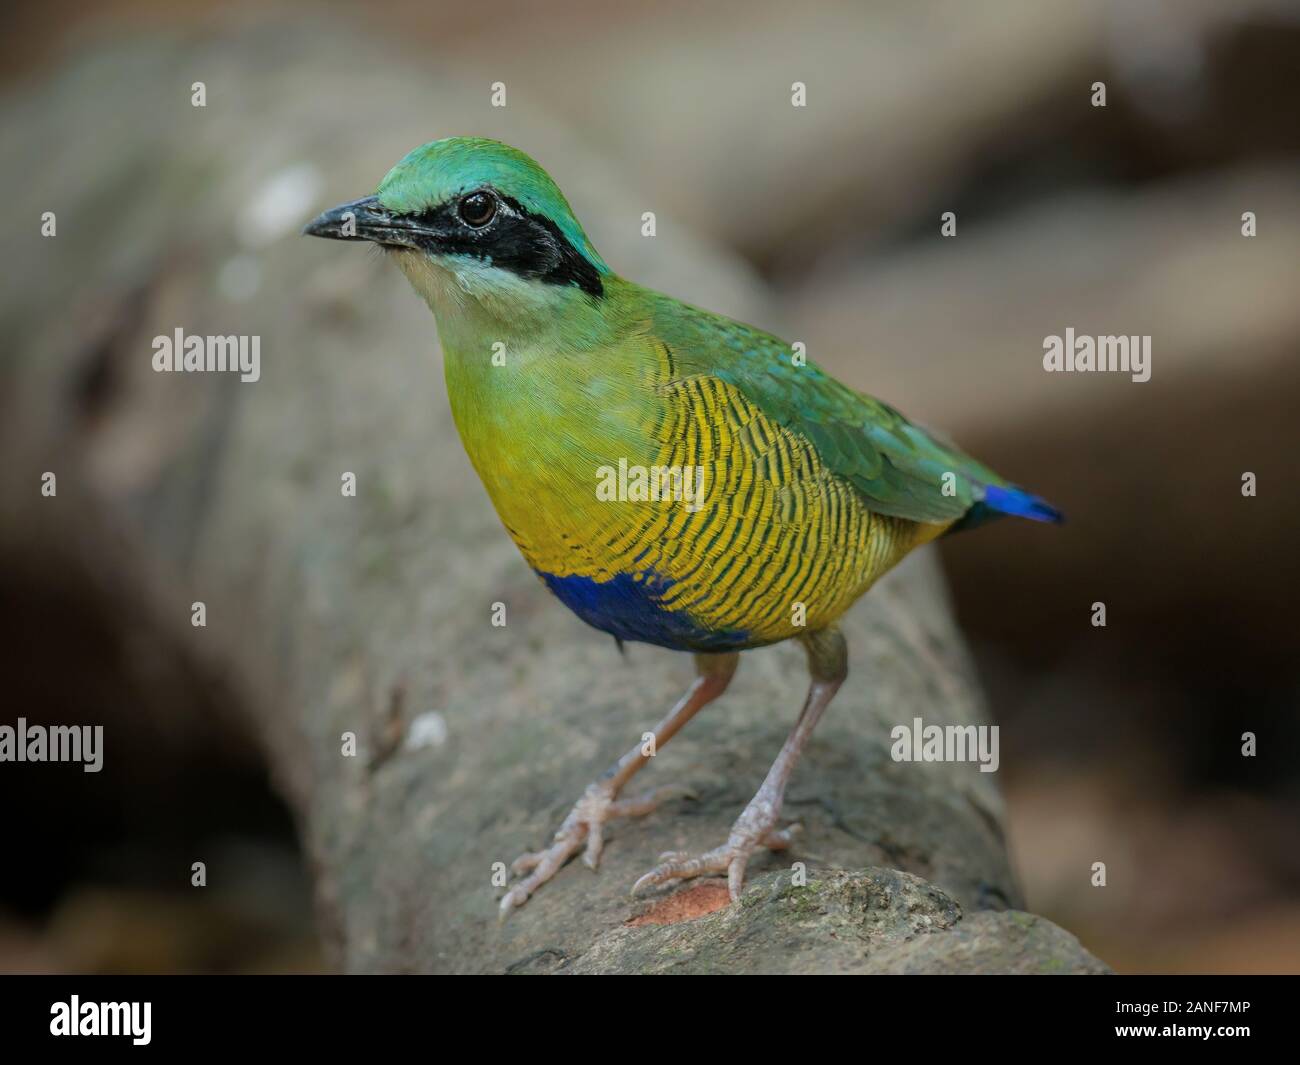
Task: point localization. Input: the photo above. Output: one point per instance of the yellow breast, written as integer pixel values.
(715, 528)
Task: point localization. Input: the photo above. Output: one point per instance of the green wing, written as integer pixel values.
(897, 467)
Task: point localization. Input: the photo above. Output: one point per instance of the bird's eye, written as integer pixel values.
(478, 209)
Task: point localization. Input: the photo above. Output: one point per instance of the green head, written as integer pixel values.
(477, 218)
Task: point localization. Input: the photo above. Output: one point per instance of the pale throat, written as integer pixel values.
(511, 358)
(477, 305)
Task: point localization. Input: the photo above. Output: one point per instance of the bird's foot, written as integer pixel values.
(756, 827)
(585, 823)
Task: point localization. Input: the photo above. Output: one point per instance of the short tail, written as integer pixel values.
(999, 500)
(1020, 503)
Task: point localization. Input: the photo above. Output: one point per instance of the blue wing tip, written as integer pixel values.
(1021, 503)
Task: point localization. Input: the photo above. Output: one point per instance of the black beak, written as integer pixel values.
(366, 219)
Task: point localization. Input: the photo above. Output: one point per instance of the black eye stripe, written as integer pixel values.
(448, 214)
(514, 239)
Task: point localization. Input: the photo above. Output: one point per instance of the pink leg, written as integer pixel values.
(756, 826)
(600, 802)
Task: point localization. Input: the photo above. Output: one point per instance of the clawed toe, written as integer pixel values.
(540, 866)
(647, 801)
(679, 866)
(585, 823)
(731, 858)
(526, 863)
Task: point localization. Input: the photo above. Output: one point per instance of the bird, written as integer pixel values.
(673, 476)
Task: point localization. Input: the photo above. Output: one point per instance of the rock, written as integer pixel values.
(873, 921)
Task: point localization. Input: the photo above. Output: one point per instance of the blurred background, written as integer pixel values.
(1120, 744)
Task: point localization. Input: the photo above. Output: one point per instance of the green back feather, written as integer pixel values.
(897, 466)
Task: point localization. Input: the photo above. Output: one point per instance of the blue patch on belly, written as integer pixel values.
(633, 610)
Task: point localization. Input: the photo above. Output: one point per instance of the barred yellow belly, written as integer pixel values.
(774, 543)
